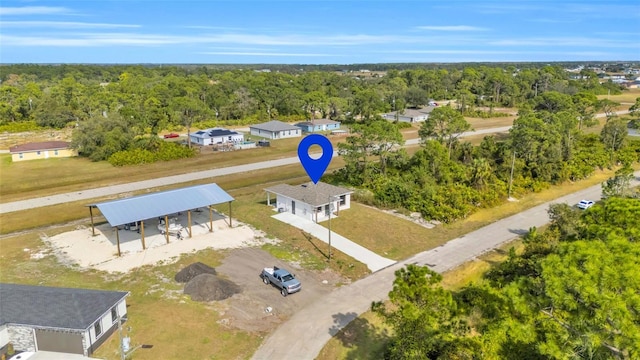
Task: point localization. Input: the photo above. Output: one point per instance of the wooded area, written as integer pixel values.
(574, 293)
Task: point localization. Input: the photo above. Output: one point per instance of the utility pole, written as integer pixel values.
(330, 229)
(513, 162)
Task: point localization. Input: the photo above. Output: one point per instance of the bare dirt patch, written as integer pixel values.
(259, 307)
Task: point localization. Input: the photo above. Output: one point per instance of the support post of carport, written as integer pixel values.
(210, 219)
(118, 239)
(144, 247)
(268, 198)
(230, 214)
(189, 221)
(166, 227)
(93, 228)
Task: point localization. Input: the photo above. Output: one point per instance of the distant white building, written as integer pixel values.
(410, 115)
(216, 136)
(275, 129)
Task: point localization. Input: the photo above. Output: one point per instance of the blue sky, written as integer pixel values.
(317, 32)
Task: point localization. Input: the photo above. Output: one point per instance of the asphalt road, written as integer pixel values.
(304, 335)
(172, 180)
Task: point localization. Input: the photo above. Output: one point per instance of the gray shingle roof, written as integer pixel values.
(63, 308)
(148, 206)
(310, 193)
(274, 125)
(319, 122)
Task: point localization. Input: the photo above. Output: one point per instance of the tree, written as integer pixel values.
(585, 104)
(618, 185)
(378, 138)
(445, 124)
(422, 315)
(188, 110)
(613, 135)
(592, 291)
(608, 107)
(416, 96)
(566, 220)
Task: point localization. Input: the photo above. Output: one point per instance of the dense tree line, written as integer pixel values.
(574, 293)
(447, 180)
(145, 100)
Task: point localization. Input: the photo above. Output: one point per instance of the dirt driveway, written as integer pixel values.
(260, 307)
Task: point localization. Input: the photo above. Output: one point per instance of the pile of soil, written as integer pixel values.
(193, 270)
(209, 287)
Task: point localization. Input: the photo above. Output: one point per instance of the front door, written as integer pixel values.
(293, 207)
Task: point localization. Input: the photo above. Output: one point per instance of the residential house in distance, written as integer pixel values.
(310, 201)
(275, 129)
(67, 320)
(41, 150)
(319, 125)
(410, 115)
(216, 136)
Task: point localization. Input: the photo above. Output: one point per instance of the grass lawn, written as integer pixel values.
(160, 314)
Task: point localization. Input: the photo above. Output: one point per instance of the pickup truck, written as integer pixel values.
(282, 279)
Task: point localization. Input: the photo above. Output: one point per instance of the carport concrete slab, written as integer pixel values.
(373, 261)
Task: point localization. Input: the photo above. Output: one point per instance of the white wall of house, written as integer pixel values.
(233, 138)
(4, 336)
(309, 212)
(107, 321)
(276, 134)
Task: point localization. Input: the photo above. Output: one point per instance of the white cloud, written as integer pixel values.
(34, 10)
(63, 25)
(566, 41)
(452, 28)
(238, 53)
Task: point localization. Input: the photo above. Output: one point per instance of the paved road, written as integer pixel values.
(171, 180)
(304, 335)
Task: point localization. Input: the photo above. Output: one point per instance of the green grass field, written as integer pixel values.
(162, 315)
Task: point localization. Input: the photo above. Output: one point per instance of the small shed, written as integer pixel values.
(310, 201)
(42, 150)
(319, 125)
(275, 129)
(66, 320)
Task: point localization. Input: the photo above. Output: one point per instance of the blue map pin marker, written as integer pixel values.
(315, 168)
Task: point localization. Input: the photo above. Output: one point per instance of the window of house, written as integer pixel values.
(114, 314)
(343, 199)
(55, 152)
(38, 152)
(98, 328)
(20, 156)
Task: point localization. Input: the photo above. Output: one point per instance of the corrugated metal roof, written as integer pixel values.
(148, 206)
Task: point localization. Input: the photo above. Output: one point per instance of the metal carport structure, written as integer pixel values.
(160, 205)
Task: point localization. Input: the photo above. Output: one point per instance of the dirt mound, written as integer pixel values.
(208, 287)
(193, 270)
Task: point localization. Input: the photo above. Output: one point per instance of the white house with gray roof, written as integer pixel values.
(410, 115)
(310, 201)
(275, 129)
(66, 320)
(216, 136)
